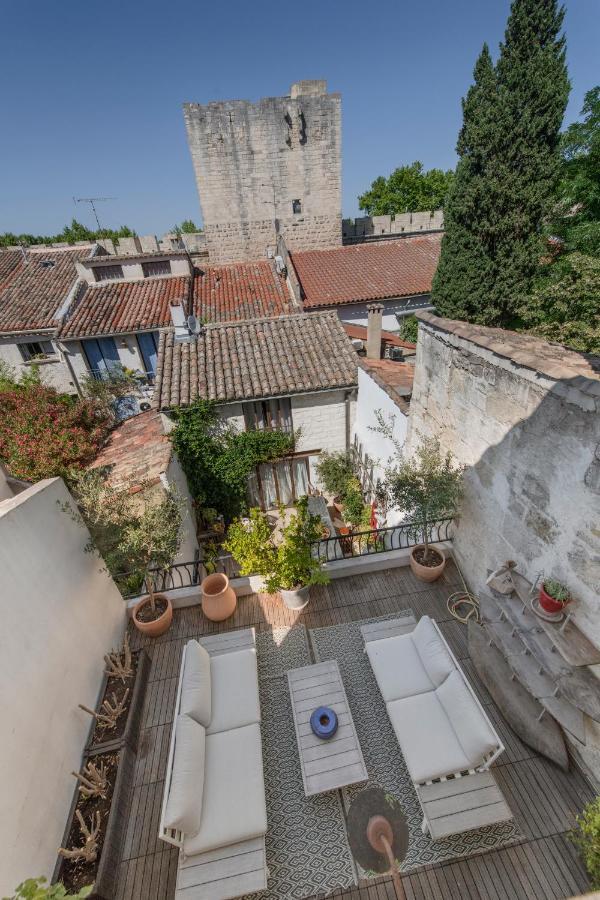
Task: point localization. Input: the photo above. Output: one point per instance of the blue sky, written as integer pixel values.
(92, 92)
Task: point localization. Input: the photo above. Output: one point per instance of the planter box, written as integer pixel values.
(114, 836)
(131, 735)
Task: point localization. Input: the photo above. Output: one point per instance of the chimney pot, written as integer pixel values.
(374, 324)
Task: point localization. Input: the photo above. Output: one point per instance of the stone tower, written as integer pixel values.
(268, 168)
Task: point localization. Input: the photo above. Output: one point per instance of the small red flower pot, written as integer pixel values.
(549, 604)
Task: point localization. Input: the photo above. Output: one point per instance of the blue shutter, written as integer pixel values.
(148, 343)
(102, 356)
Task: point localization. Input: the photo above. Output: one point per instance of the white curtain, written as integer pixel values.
(300, 476)
(267, 479)
(284, 479)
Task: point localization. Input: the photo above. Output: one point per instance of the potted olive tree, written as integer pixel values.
(426, 487)
(288, 567)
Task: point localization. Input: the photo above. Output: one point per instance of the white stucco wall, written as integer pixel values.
(380, 449)
(321, 419)
(53, 372)
(61, 614)
(356, 313)
(176, 479)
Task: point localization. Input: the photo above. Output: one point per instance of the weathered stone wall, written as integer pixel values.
(531, 446)
(362, 227)
(252, 160)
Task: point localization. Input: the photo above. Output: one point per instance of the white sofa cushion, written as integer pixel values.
(184, 805)
(235, 700)
(398, 668)
(434, 655)
(427, 739)
(196, 684)
(474, 733)
(233, 808)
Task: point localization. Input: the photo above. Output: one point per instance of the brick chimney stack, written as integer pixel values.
(374, 322)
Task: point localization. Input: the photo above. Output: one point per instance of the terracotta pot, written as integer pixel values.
(426, 573)
(158, 626)
(549, 604)
(345, 542)
(296, 599)
(218, 599)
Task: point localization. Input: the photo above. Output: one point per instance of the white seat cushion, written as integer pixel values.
(432, 651)
(427, 739)
(234, 807)
(184, 805)
(195, 684)
(398, 668)
(234, 680)
(474, 733)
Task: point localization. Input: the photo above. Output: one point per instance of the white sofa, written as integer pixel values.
(214, 796)
(441, 726)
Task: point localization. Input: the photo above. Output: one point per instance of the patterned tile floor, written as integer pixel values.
(544, 800)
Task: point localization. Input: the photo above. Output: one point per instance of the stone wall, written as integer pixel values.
(254, 160)
(355, 230)
(531, 445)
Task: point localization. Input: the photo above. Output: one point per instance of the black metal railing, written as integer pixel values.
(179, 575)
(381, 540)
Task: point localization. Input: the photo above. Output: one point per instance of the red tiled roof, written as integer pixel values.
(395, 378)
(31, 297)
(239, 291)
(361, 272)
(10, 263)
(388, 338)
(137, 450)
(118, 307)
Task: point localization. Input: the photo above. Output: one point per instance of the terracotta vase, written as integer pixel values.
(426, 573)
(549, 604)
(157, 626)
(218, 599)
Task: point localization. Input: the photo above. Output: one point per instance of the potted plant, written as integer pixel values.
(553, 595)
(39, 889)
(426, 487)
(288, 567)
(335, 471)
(353, 504)
(218, 598)
(153, 541)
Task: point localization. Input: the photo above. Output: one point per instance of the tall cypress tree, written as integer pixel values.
(510, 142)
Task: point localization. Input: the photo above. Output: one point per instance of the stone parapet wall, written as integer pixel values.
(531, 447)
(404, 223)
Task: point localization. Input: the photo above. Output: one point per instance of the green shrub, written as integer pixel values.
(556, 590)
(353, 506)
(335, 470)
(586, 836)
(38, 889)
(409, 330)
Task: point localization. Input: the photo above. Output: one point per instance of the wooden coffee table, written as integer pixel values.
(326, 764)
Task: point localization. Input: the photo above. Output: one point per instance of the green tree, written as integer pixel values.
(186, 227)
(565, 304)
(70, 233)
(407, 189)
(509, 162)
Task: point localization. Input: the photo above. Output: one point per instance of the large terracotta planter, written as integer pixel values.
(218, 599)
(158, 626)
(426, 573)
(296, 599)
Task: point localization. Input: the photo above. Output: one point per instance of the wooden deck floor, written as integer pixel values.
(543, 799)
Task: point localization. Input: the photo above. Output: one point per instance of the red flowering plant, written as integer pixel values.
(44, 433)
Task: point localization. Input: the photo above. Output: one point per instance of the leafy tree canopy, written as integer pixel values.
(186, 227)
(408, 189)
(70, 233)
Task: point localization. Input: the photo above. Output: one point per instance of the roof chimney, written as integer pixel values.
(374, 322)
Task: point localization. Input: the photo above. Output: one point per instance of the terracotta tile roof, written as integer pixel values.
(118, 307)
(10, 263)
(239, 291)
(362, 272)
(273, 357)
(31, 298)
(395, 378)
(388, 338)
(552, 360)
(137, 450)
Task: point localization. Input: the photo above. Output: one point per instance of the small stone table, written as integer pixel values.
(326, 764)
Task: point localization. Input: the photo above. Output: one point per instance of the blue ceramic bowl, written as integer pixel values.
(324, 722)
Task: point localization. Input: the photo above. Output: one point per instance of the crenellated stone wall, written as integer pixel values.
(373, 227)
(267, 168)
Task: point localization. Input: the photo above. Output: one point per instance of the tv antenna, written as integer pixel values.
(92, 201)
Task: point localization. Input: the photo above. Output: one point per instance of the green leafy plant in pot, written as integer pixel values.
(289, 567)
(553, 595)
(426, 487)
(335, 472)
(586, 837)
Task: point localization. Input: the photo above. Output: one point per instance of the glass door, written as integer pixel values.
(102, 356)
(148, 344)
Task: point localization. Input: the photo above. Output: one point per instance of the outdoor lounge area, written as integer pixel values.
(524, 853)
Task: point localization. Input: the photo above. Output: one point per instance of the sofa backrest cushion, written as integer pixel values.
(468, 721)
(196, 685)
(184, 805)
(432, 651)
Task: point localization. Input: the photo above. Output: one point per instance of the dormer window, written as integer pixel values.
(48, 263)
(297, 207)
(156, 267)
(108, 273)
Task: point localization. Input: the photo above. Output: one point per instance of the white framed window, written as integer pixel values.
(33, 350)
(108, 273)
(269, 414)
(156, 267)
